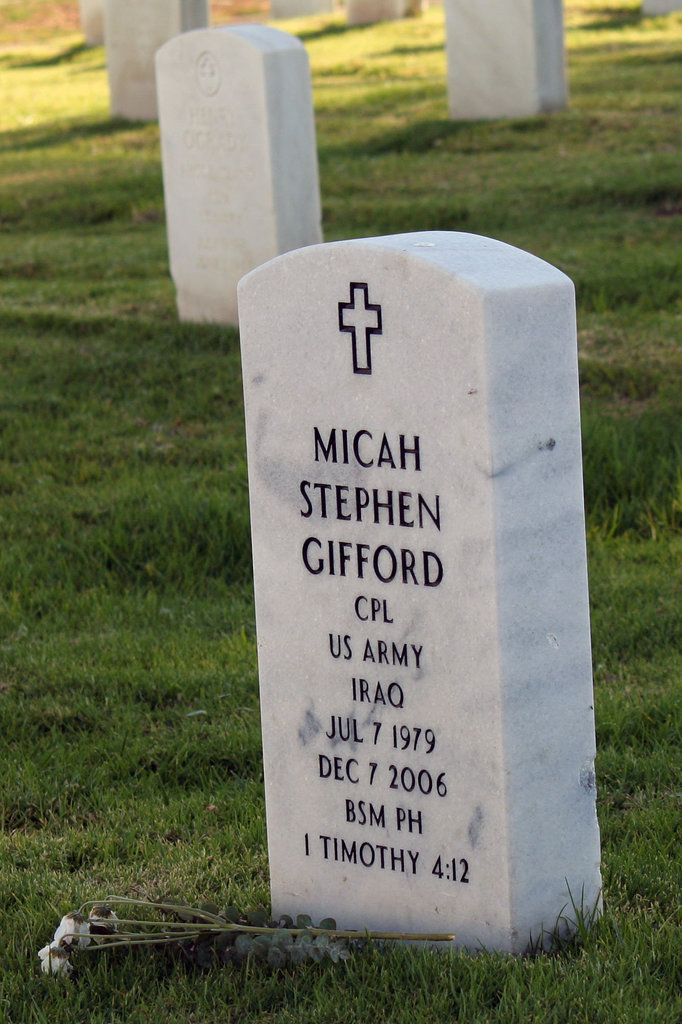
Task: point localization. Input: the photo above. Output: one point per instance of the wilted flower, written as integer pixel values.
(102, 922)
(207, 935)
(54, 959)
(73, 930)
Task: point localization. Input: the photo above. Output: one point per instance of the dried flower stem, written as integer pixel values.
(173, 931)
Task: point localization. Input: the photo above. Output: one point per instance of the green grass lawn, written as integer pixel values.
(128, 687)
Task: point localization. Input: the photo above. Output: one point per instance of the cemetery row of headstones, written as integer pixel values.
(358, 12)
(504, 59)
(239, 154)
(237, 128)
(415, 483)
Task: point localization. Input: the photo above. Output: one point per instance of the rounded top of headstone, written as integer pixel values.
(482, 263)
(261, 38)
(266, 38)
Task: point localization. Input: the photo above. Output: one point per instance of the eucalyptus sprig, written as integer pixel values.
(206, 935)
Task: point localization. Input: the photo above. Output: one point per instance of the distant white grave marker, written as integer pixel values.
(421, 590)
(367, 12)
(300, 8)
(661, 6)
(92, 21)
(134, 30)
(505, 58)
(239, 159)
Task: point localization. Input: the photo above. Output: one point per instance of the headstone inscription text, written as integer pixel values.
(421, 595)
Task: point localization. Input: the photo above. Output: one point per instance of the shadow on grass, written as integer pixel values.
(84, 205)
(645, 53)
(27, 139)
(339, 28)
(611, 19)
(335, 29)
(62, 324)
(102, 193)
(413, 138)
(406, 51)
(658, 57)
(455, 136)
(48, 62)
(167, 332)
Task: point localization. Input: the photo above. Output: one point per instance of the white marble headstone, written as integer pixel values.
(505, 58)
(421, 589)
(134, 30)
(239, 159)
(92, 21)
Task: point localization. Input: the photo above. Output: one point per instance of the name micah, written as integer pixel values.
(375, 506)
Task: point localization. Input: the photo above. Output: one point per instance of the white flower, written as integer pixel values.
(54, 959)
(102, 922)
(73, 930)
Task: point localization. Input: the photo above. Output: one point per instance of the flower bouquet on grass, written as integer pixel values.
(205, 935)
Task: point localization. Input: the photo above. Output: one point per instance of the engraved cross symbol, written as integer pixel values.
(361, 319)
